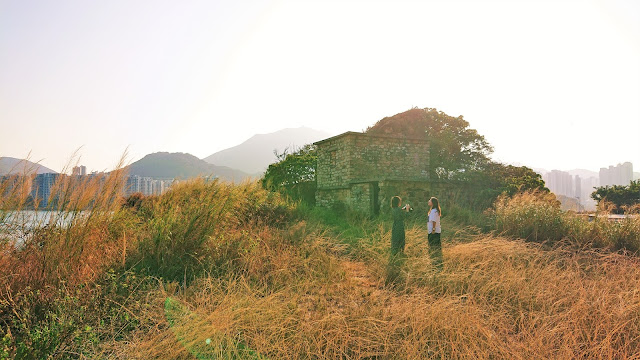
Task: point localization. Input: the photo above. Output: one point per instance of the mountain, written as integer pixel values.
(164, 165)
(256, 154)
(10, 166)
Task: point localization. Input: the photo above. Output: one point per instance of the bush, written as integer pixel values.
(196, 216)
(532, 215)
(65, 286)
(536, 216)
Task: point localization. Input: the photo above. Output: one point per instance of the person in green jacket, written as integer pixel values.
(397, 231)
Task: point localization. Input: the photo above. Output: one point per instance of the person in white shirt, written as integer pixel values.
(434, 229)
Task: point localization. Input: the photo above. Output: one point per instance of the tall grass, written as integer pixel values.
(537, 216)
(49, 270)
(494, 299)
(200, 226)
(214, 270)
(55, 275)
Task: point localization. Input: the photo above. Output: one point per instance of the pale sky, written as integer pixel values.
(551, 84)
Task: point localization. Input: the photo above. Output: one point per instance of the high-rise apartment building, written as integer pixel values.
(79, 170)
(560, 183)
(146, 185)
(41, 187)
(621, 174)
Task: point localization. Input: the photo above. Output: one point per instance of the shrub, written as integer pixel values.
(531, 215)
(195, 216)
(536, 216)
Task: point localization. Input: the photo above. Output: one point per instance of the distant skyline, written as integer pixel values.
(550, 84)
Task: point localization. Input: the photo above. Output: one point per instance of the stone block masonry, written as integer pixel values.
(364, 171)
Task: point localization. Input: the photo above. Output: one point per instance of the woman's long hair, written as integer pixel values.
(435, 204)
(395, 201)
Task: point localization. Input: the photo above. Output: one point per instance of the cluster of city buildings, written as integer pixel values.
(146, 185)
(621, 174)
(579, 188)
(42, 185)
(134, 183)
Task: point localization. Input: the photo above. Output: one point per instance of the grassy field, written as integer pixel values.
(212, 270)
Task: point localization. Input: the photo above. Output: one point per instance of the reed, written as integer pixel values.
(215, 270)
(495, 299)
(536, 216)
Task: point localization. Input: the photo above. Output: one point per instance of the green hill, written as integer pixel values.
(165, 165)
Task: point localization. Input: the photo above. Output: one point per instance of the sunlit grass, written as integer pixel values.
(536, 216)
(214, 270)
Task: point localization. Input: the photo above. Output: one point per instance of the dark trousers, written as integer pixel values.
(435, 250)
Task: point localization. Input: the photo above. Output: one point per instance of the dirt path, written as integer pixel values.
(358, 273)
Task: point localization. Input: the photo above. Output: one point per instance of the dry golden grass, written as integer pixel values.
(494, 299)
(263, 284)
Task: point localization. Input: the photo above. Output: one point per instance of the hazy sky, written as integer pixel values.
(553, 84)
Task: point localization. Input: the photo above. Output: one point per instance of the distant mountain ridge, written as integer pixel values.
(255, 154)
(12, 166)
(165, 165)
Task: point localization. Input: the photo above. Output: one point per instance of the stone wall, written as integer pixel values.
(358, 157)
(352, 167)
(333, 164)
(377, 158)
(361, 198)
(330, 198)
(416, 194)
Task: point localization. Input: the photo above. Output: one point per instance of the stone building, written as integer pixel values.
(364, 171)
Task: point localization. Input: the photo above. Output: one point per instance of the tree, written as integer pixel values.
(457, 153)
(494, 179)
(294, 174)
(619, 195)
(454, 147)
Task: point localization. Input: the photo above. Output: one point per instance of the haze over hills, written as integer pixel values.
(10, 166)
(164, 165)
(256, 154)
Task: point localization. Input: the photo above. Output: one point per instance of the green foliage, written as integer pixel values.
(194, 217)
(347, 225)
(294, 174)
(454, 147)
(494, 179)
(622, 197)
(65, 323)
(469, 217)
(266, 284)
(511, 179)
(459, 153)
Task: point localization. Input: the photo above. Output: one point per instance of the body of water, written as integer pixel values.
(18, 226)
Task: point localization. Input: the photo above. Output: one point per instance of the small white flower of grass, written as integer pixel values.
(208, 341)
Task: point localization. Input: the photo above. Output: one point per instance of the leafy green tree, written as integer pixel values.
(494, 179)
(457, 153)
(623, 197)
(455, 148)
(294, 174)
